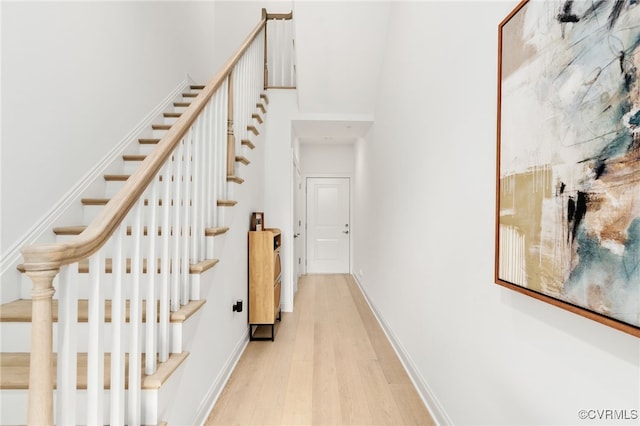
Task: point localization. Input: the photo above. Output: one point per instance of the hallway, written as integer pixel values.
(330, 364)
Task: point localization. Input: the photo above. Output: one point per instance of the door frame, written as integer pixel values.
(299, 213)
(306, 215)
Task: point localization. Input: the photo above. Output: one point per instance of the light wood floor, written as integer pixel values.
(330, 364)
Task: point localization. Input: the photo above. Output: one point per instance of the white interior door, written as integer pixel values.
(328, 228)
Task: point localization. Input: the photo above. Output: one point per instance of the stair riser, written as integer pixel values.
(90, 212)
(146, 149)
(16, 337)
(180, 109)
(130, 167)
(108, 250)
(113, 186)
(169, 120)
(14, 406)
(83, 285)
(158, 133)
(246, 151)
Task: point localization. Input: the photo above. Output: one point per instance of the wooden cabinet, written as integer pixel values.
(264, 281)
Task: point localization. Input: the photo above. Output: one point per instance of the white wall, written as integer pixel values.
(76, 78)
(326, 159)
(425, 178)
(278, 193)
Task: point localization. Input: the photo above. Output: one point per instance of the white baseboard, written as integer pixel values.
(12, 257)
(218, 385)
(424, 390)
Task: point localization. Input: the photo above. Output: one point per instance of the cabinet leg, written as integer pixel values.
(252, 337)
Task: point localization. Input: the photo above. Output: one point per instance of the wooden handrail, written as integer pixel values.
(41, 257)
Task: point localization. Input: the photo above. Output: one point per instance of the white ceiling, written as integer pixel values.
(339, 49)
(330, 131)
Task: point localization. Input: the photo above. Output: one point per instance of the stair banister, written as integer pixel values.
(42, 262)
(222, 112)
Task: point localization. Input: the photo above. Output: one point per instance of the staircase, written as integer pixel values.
(109, 306)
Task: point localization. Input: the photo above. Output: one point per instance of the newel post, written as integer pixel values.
(41, 371)
(231, 139)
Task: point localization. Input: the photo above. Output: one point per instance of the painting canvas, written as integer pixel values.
(568, 178)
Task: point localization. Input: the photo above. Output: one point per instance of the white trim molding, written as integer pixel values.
(424, 390)
(210, 399)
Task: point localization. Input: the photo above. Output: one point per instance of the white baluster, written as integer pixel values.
(292, 55)
(219, 125)
(177, 200)
(67, 347)
(152, 268)
(197, 231)
(165, 263)
(135, 318)
(271, 52)
(118, 313)
(224, 112)
(95, 356)
(245, 117)
(211, 188)
(280, 49)
(259, 66)
(255, 71)
(204, 171)
(186, 220)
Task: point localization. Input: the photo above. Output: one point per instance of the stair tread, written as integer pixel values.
(133, 157)
(148, 141)
(248, 143)
(116, 177)
(235, 179)
(257, 117)
(94, 201)
(69, 230)
(212, 232)
(20, 311)
(253, 130)
(261, 107)
(15, 370)
(227, 203)
(264, 97)
(161, 126)
(196, 86)
(203, 266)
(242, 159)
(181, 104)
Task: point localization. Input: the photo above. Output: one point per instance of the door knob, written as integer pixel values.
(296, 235)
(345, 232)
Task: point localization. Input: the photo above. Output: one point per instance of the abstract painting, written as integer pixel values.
(568, 158)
